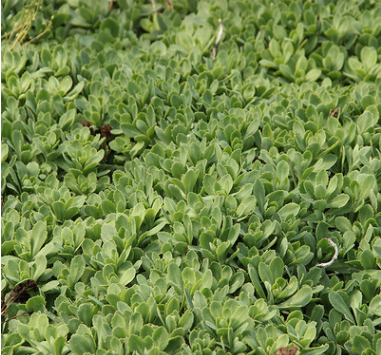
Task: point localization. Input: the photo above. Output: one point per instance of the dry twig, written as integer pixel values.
(24, 24)
(334, 258)
(14, 317)
(39, 36)
(169, 4)
(18, 294)
(219, 36)
(153, 5)
(284, 351)
(334, 112)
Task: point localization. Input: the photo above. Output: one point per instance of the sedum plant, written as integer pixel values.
(191, 177)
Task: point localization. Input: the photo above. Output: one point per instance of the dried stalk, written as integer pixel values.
(24, 24)
(334, 112)
(19, 315)
(284, 351)
(23, 32)
(16, 295)
(13, 31)
(169, 5)
(153, 5)
(39, 36)
(334, 258)
(219, 36)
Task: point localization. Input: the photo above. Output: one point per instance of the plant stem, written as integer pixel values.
(39, 36)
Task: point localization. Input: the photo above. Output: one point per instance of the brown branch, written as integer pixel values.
(284, 351)
(19, 315)
(169, 4)
(39, 36)
(17, 293)
(334, 112)
(10, 300)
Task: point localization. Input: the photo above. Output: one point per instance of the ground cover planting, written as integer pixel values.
(191, 177)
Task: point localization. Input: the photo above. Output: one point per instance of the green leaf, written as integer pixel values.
(274, 47)
(286, 71)
(359, 344)
(246, 206)
(338, 201)
(192, 5)
(265, 273)
(38, 237)
(367, 259)
(130, 130)
(58, 208)
(300, 299)
(127, 276)
(50, 286)
(85, 313)
(282, 170)
(207, 98)
(277, 267)
(67, 119)
(35, 303)
(281, 341)
(77, 268)
(174, 278)
(4, 152)
(174, 344)
(313, 75)
(343, 224)
(185, 40)
(75, 92)
(367, 120)
(110, 25)
(316, 351)
(289, 209)
(108, 207)
(325, 163)
(189, 180)
(221, 251)
(368, 58)
(136, 343)
(367, 183)
(59, 344)
(81, 344)
(340, 305)
(259, 193)
(108, 232)
(256, 282)
(39, 267)
(46, 57)
(161, 337)
(186, 320)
